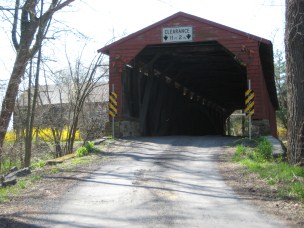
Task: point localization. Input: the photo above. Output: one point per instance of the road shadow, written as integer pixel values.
(12, 223)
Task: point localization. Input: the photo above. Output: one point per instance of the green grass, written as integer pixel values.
(22, 183)
(81, 151)
(7, 164)
(87, 148)
(81, 160)
(4, 193)
(38, 164)
(288, 179)
(25, 182)
(54, 170)
(35, 177)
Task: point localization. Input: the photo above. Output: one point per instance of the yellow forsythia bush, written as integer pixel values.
(43, 134)
(10, 136)
(282, 132)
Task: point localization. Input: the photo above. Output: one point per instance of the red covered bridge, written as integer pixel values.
(186, 75)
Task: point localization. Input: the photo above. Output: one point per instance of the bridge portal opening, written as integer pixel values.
(183, 88)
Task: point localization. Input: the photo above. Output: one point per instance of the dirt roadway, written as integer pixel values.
(156, 182)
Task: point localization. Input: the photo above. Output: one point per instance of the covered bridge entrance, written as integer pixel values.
(186, 75)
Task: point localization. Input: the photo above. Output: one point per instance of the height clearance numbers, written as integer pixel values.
(177, 34)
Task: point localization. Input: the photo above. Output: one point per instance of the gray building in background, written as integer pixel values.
(55, 109)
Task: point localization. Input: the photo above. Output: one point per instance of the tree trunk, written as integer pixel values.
(73, 130)
(9, 99)
(28, 134)
(32, 31)
(32, 113)
(295, 79)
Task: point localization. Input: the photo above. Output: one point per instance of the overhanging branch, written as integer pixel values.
(15, 22)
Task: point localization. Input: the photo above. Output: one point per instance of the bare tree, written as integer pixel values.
(30, 24)
(95, 115)
(84, 80)
(31, 110)
(54, 113)
(294, 42)
(77, 100)
(28, 121)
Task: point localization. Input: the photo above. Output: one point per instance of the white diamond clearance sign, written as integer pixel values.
(177, 34)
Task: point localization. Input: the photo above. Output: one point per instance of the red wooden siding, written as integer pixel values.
(244, 46)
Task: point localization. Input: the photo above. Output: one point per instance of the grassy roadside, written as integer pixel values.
(40, 169)
(286, 179)
(14, 190)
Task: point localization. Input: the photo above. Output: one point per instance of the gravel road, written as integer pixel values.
(157, 182)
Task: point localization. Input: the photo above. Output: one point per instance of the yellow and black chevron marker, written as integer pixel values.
(113, 104)
(249, 102)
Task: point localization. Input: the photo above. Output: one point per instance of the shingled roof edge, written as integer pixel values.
(106, 48)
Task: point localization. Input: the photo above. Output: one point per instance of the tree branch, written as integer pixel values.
(7, 9)
(15, 22)
(45, 21)
(54, 7)
(62, 5)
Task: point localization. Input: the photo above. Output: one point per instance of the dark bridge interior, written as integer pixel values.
(183, 88)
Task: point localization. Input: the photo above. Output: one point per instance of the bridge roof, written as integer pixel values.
(265, 47)
(107, 48)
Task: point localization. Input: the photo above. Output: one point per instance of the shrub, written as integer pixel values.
(241, 150)
(38, 164)
(82, 151)
(282, 132)
(89, 146)
(22, 184)
(261, 153)
(264, 149)
(239, 153)
(36, 177)
(297, 190)
(54, 170)
(287, 179)
(10, 136)
(254, 156)
(44, 134)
